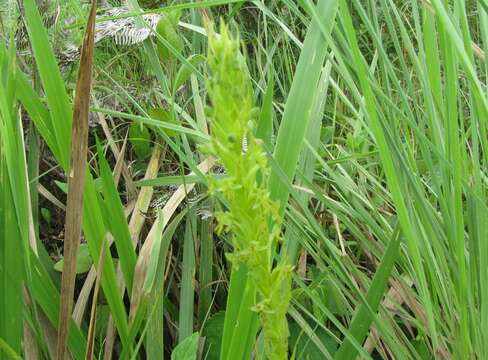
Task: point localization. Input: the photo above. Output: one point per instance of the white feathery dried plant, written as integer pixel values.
(123, 31)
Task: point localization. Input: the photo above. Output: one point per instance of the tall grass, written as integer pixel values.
(373, 120)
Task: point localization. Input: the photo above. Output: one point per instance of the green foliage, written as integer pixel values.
(83, 260)
(46, 215)
(377, 127)
(304, 348)
(140, 138)
(167, 29)
(187, 349)
(185, 71)
(166, 116)
(212, 332)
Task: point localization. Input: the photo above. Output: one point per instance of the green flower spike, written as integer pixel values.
(250, 209)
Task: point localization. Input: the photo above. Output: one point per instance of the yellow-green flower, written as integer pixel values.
(250, 209)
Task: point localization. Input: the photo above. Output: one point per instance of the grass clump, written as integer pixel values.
(375, 112)
(252, 217)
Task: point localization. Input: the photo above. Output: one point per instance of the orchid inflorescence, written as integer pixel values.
(252, 217)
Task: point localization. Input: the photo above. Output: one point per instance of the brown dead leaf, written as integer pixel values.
(76, 182)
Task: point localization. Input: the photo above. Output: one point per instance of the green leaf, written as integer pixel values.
(167, 30)
(187, 349)
(140, 138)
(422, 349)
(155, 254)
(323, 287)
(46, 294)
(53, 84)
(213, 336)
(46, 215)
(103, 313)
(83, 261)
(155, 326)
(187, 294)
(117, 221)
(304, 348)
(264, 129)
(299, 105)
(164, 116)
(185, 71)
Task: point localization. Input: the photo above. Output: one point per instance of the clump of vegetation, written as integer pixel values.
(252, 217)
(356, 229)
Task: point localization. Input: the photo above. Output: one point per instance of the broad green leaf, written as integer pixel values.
(299, 105)
(83, 261)
(212, 332)
(304, 348)
(187, 349)
(140, 139)
(167, 30)
(185, 71)
(167, 117)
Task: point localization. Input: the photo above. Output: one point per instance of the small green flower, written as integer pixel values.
(250, 209)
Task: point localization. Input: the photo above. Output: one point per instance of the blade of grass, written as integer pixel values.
(52, 81)
(155, 325)
(264, 129)
(187, 293)
(307, 159)
(136, 223)
(299, 104)
(140, 290)
(47, 296)
(239, 300)
(146, 265)
(362, 320)
(76, 183)
(90, 343)
(8, 351)
(94, 230)
(205, 270)
(38, 113)
(347, 351)
(12, 242)
(117, 222)
(17, 189)
(11, 270)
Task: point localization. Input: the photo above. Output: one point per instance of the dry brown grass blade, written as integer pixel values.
(144, 198)
(83, 296)
(135, 226)
(76, 182)
(50, 197)
(398, 296)
(90, 343)
(120, 165)
(48, 334)
(31, 352)
(144, 255)
(394, 298)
